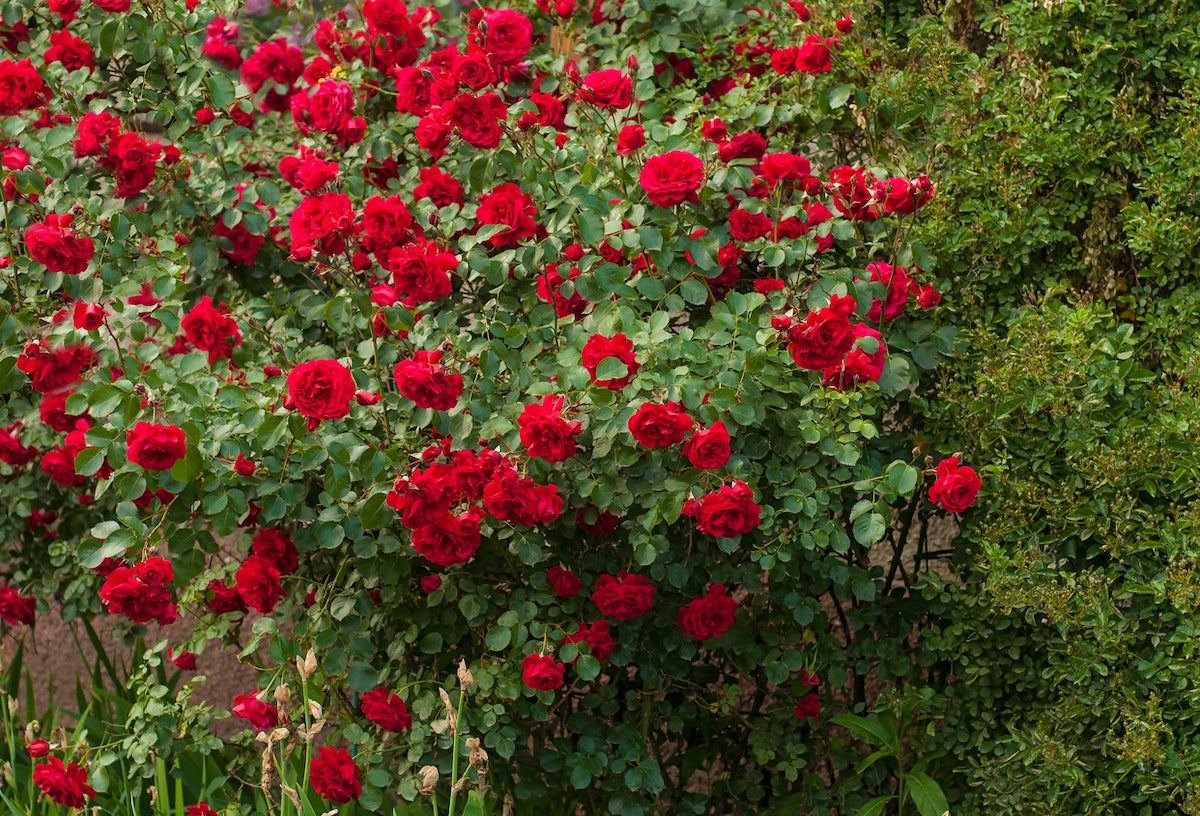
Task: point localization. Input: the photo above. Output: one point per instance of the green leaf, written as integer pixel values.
(869, 529)
(839, 95)
(875, 807)
(474, 805)
(220, 90)
(694, 292)
(88, 461)
(868, 729)
(610, 368)
(926, 795)
(375, 513)
(498, 638)
(189, 467)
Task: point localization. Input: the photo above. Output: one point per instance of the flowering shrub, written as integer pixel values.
(480, 343)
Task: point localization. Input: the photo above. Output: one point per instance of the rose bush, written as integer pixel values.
(404, 341)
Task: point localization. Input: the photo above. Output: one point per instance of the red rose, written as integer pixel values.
(859, 363)
(257, 582)
(88, 316)
(200, 809)
(851, 195)
(544, 433)
(598, 348)
(225, 599)
(309, 173)
(513, 498)
(509, 35)
(809, 708)
(825, 335)
(95, 133)
(421, 272)
(64, 784)
(334, 776)
(115, 6)
(155, 447)
(59, 248)
(53, 411)
(749, 145)
(956, 486)
(38, 748)
(21, 87)
(630, 139)
(813, 57)
(672, 178)
(386, 710)
(623, 597)
(425, 381)
(185, 660)
(510, 206)
(386, 223)
(211, 329)
(243, 466)
(320, 223)
(261, 716)
(609, 88)
(320, 389)
(599, 642)
(777, 167)
(902, 197)
(566, 583)
(551, 281)
(708, 616)
(431, 584)
(141, 592)
(748, 226)
(439, 187)
(133, 162)
(12, 452)
(897, 281)
(659, 426)
(728, 512)
(276, 548)
(542, 672)
(15, 610)
(478, 119)
(708, 449)
(448, 540)
(73, 52)
(388, 16)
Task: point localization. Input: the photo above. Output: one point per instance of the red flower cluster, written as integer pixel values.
(15, 610)
(63, 784)
(827, 341)
(599, 348)
(211, 329)
(56, 246)
(141, 592)
(597, 637)
(510, 206)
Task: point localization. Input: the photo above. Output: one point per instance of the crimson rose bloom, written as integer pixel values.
(956, 485)
(211, 329)
(14, 609)
(448, 540)
(630, 139)
(623, 597)
(509, 36)
(708, 449)
(12, 452)
(277, 548)
(425, 381)
(334, 776)
(859, 364)
(38, 748)
(386, 710)
(545, 434)
(257, 582)
(672, 178)
(155, 447)
(320, 389)
(825, 335)
(659, 426)
(508, 205)
(566, 583)
(813, 57)
(609, 88)
(542, 672)
(478, 119)
(728, 512)
(65, 784)
(708, 616)
(598, 348)
(898, 282)
(55, 245)
(421, 271)
(141, 592)
(597, 637)
(261, 716)
(21, 87)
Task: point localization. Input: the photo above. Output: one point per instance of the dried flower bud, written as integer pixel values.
(283, 694)
(451, 717)
(307, 666)
(314, 708)
(465, 679)
(478, 756)
(429, 778)
(31, 729)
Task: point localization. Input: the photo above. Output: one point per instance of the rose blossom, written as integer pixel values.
(64, 784)
(320, 389)
(623, 597)
(334, 775)
(956, 485)
(544, 433)
(728, 512)
(542, 672)
(708, 449)
(708, 616)
(386, 710)
(427, 383)
(598, 348)
(672, 178)
(155, 447)
(655, 425)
